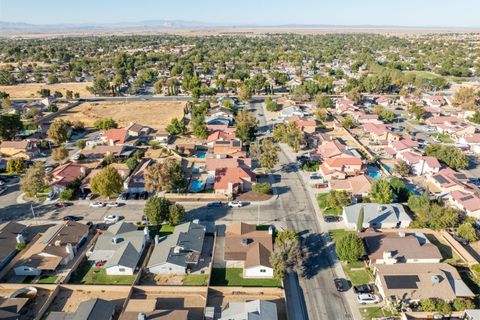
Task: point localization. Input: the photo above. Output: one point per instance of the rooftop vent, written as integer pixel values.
(435, 279)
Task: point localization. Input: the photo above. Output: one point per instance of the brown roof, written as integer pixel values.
(244, 243)
(42, 262)
(71, 232)
(15, 144)
(257, 255)
(214, 163)
(100, 151)
(8, 238)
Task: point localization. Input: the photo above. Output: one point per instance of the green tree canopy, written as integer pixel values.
(350, 248)
(107, 182)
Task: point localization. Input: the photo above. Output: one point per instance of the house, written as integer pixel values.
(466, 200)
(63, 175)
(228, 149)
(180, 252)
(346, 166)
(384, 101)
(212, 164)
(16, 306)
(434, 101)
(56, 247)
(137, 130)
(307, 125)
(162, 136)
(420, 165)
(255, 310)
(358, 186)
(376, 215)
(10, 236)
(219, 136)
(120, 247)
(448, 180)
(451, 125)
(362, 117)
(244, 243)
(330, 149)
(229, 181)
(18, 149)
(407, 100)
(392, 247)
(121, 168)
(136, 182)
(101, 151)
(291, 111)
(403, 145)
(472, 140)
(148, 309)
(114, 137)
(93, 309)
(378, 132)
(413, 282)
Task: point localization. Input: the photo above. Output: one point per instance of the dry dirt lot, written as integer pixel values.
(30, 90)
(154, 114)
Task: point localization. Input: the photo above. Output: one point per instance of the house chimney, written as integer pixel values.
(270, 230)
(141, 316)
(83, 171)
(69, 249)
(157, 239)
(20, 238)
(58, 243)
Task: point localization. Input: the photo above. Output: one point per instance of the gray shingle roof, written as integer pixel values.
(377, 213)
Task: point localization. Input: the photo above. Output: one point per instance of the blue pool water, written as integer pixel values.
(411, 188)
(374, 172)
(197, 185)
(201, 154)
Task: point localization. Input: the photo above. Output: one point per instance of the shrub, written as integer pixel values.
(350, 248)
(263, 188)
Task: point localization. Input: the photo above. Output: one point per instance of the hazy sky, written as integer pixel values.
(463, 13)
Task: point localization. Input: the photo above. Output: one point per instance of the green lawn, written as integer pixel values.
(374, 312)
(444, 138)
(357, 277)
(322, 203)
(195, 280)
(336, 234)
(87, 274)
(233, 277)
(163, 230)
(47, 280)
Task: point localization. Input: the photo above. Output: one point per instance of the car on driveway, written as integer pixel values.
(214, 204)
(332, 219)
(368, 298)
(364, 288)
(97, 204)
(235, 204)
(112, 204)
(72, 218)
(63, 204)
(341, 284)
(3, 189)
(111, 219)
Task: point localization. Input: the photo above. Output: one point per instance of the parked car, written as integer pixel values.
(368, 298)
(136, 196)
(144, 195)
(51, 196)
(3, 189)
(112, 204)
(2, 182)
(329, 219)
(97, 204)
(214, 204)
(364, 288)
(63, 204)
(72, 218)
(341, 284)
(99, 264)
(235, 204)
(89, 196)
(111, 219)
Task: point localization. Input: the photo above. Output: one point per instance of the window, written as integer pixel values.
(263, 270)
(121, 269)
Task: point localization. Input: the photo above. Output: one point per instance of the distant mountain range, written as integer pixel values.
(165, 25)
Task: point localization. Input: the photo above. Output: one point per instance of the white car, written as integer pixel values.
(111, 219)
(97, 204)
(368, 298)
(112, 204)
(1, 183)
(235, 204)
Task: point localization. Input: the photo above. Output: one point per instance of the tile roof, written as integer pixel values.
(224, 176)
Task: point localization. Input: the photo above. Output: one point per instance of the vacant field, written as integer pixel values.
(30, 90)
(154, 114)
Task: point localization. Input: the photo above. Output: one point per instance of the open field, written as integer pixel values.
(30, 90)
(153, 114)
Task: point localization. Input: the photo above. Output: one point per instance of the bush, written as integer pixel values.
(463, 304)
(467, 232)
(20, 246)
(350, 248)
(310, 166)
(81, 143)
(263, 188)
(66, 194)
(272, 106)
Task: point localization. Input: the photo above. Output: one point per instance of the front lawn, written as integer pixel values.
(195, 280)
(233, 277)
(374, 313)
(336, 234)
(47, 280)
(442, 137)
(322, 203)
(161, 231)
(88, 274)
(357, 273)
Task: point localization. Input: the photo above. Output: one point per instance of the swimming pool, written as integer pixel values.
(374, 172)
(197, 185)
(201, 154)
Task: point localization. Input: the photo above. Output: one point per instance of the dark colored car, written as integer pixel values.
(136, 196)
(72, 218)
(63, 204)
(144, 195)
(127, 196)
(341, 284)
(332, 218)
(215, 204)
(364, 288)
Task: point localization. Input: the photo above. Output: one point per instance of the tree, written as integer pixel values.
(338, 199)
(52, 78)
(402, 168)
(15, 165)
(246, 125)
(348, 122)
(289, 134)
(244, 92)
(158, 86)
(361, 218)
(321, 114)
(10, 124)
(475, 118)
(417, 110)
(452, 156)
(107, 182)
(176, 213)
(6, 103)
(431, 215)
(59, 153)
(66, 194)
(81, 143)
(467, 232)
(287, 255)
(101, 86)
(271, 105)
(58, 131)
(269, 154)
(166, 176)
(105, 124)
(466, 98)
(44, 93)
(176, 127)
(350, 248)
(131, 163)
(157, 210)
(381, 191)
(323, 101)
(34, 180)
(355, 95)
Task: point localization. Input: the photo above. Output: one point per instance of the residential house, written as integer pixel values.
(101, 151)
(121, 168)
(378, 132)
(179, 252)
(402, 144)
(63, 175)
(14, 307)
(401, 247)
(451, 125)
(330, 149)
(358, 186)
(362, 117)
(233, 180)
(137, 130)
(18, 149)
(434, 101)
(420, 165)
(56, 247)
(407, 100)
(93, 309)
(307, 125)
(10, 235)
(472, 140)
(219, 136)
(148, 309)
(341, 167)
(466, 200)
(376, 215)
(243, 242)
(254, 310)
(413, 282)
(292, 111)
(384, 101)
(212, 164)
(162, 136)
(228, 149)
(448, 180)
(136, 182)
(120, 247)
